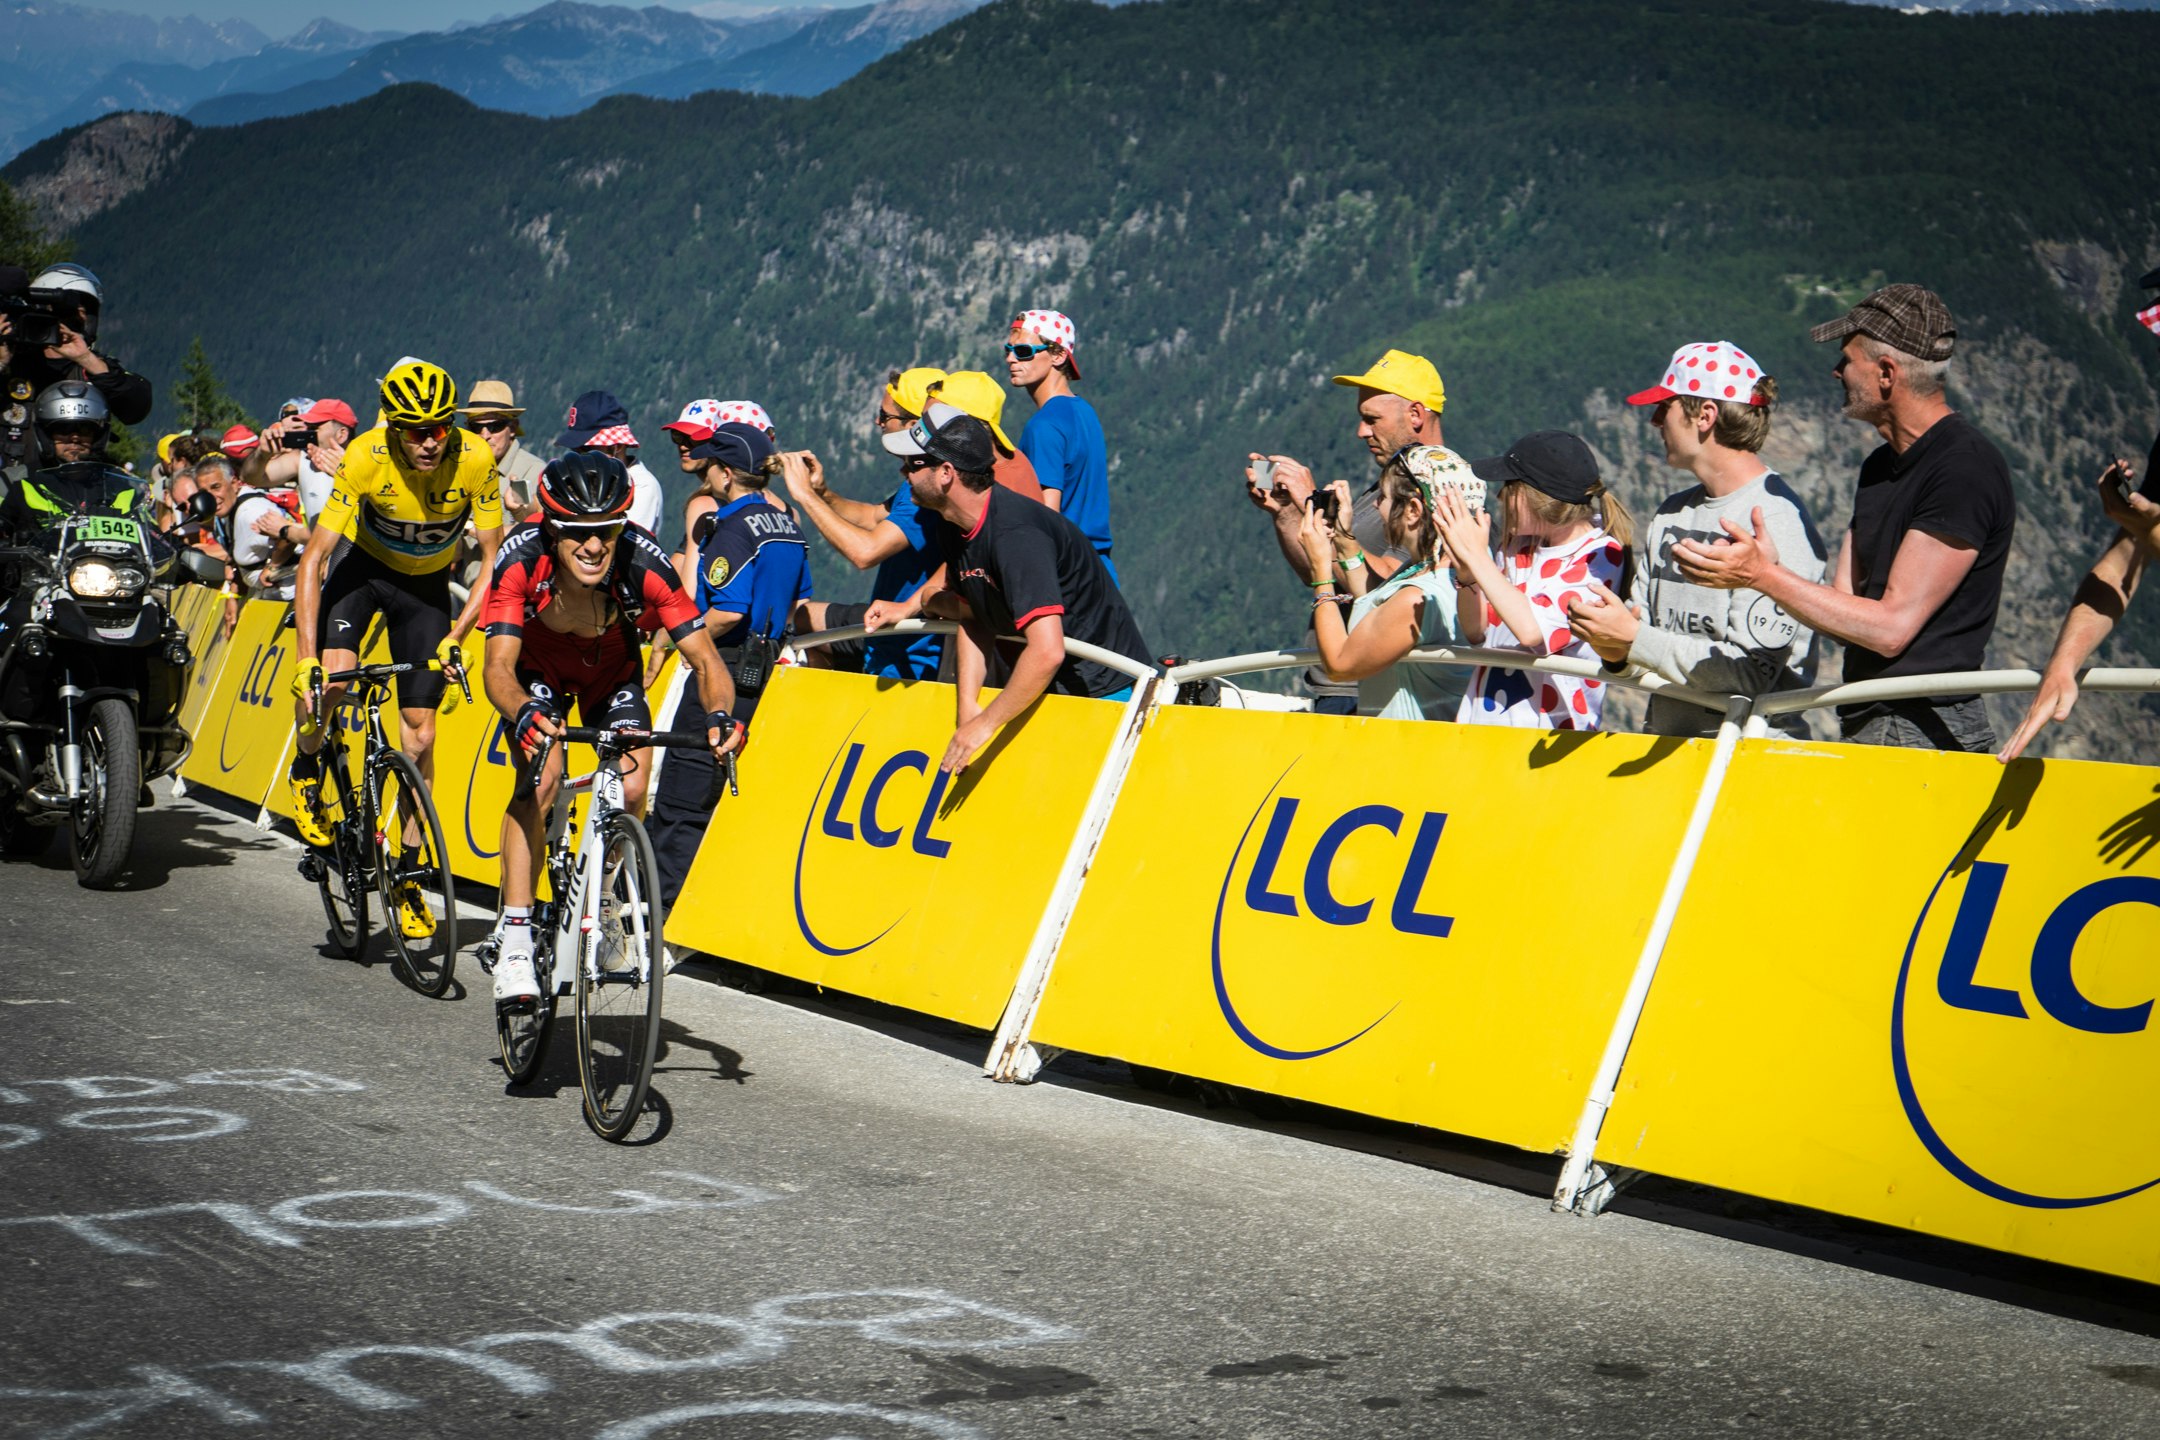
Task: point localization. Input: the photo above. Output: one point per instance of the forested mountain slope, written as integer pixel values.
(1236, 199)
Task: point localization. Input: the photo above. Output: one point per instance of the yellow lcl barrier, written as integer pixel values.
(1906, 987)
(1917, 988)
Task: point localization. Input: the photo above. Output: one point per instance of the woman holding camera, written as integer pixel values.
(1414, 606)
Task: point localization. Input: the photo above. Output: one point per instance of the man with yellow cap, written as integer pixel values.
(1399, 399)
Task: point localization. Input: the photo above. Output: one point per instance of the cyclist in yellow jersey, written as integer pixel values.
(384, 544)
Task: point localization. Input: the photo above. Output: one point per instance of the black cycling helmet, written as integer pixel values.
(585, 485)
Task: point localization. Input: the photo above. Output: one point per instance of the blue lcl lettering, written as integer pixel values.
(1320, 897)
(874, 832)
(2053, 984)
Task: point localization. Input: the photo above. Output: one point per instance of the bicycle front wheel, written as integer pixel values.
(342, 867)
(619, 977)
(412, 877)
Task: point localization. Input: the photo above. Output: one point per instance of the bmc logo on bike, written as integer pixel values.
(869, 801)
(2027, 1076)
(1363, 869)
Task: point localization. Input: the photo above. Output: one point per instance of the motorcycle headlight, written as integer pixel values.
(103, 580)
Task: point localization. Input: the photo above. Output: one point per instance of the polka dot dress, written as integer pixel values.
(1550, 576)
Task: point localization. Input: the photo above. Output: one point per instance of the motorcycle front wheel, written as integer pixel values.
(103, 829)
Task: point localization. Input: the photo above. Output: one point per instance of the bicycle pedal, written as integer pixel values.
(486, 953)
(311, 867)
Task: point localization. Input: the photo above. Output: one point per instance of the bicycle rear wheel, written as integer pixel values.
(522, 1032)
(341, 866)
(420, 871)
(619, 980)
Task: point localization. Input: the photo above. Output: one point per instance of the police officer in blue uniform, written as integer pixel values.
(752, 569)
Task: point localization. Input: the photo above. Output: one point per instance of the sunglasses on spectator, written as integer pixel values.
(1024, 353)
(489, 427)
(886, 417)
(426, 432)
(920, 462)
(579, 531)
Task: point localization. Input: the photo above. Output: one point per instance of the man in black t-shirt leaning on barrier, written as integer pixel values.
(1022, 568)
(2105, 592)
(1919, 577)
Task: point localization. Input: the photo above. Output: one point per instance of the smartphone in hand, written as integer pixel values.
(2117, 478)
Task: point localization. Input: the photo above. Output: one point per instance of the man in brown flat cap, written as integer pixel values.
(492, 413)
(1919, 577)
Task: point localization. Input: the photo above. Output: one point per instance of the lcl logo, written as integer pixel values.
(257, 689)
(876, 812)
(2055, 992)
(495, 752)
(1269, 889)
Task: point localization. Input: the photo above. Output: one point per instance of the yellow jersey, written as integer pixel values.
(411, 520)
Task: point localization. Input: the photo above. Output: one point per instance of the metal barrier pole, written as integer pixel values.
(1579, 1187)
(1012, 1058)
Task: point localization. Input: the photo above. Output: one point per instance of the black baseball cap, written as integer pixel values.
(1552, 462)
(2151, 280)
(949, 434)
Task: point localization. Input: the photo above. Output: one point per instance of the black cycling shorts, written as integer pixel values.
(415, 610)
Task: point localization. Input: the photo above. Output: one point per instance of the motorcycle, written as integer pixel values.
(93, 668)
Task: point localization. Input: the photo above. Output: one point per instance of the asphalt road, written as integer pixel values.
(252, 1189)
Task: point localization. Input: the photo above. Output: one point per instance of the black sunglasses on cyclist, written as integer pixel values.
(427, 432)
(579, 531)
(1025, 353)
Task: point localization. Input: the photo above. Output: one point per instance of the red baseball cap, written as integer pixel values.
(239, 442)
(336, 410)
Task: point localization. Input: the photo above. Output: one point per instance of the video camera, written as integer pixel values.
(30, 324)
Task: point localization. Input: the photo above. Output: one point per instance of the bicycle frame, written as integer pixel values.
(574, 876)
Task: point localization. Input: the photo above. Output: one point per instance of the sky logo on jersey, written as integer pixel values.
(1317, 861)
(870, 802)
(2021, 1034)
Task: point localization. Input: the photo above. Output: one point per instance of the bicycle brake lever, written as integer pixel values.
(531, 785)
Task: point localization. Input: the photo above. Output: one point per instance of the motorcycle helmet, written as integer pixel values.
(74, 405)
(585, 485)
(416, 392)
(69, 286)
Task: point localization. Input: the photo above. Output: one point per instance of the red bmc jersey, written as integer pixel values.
(643, 584)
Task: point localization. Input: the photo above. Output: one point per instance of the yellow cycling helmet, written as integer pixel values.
(418, 393)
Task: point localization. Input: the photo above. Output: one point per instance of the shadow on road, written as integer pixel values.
(676, 1038)
(167, 839)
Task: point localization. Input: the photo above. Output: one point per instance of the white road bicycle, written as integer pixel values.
(597, 936)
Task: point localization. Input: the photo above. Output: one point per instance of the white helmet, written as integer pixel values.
(70, 285)
(72, 280)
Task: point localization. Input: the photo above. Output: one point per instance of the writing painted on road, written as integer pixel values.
(154, 1124)
(903, 1318)
(286, 1223)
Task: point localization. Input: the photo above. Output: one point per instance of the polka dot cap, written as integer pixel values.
(747, 412)
(1716, 370)
(698, 420)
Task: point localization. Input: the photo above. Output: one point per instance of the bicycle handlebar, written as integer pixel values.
(614, 740)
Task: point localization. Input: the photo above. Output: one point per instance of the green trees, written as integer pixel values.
(23, 240)
(201, 400)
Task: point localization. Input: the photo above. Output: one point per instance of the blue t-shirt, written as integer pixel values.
(1064, 442)
(754, 563)
(899, 576)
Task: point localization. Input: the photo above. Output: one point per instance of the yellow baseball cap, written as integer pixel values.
(165, 444)
(975, 393)
(911, 392)
(1399, 373)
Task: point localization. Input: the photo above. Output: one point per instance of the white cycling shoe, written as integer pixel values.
(514, 979)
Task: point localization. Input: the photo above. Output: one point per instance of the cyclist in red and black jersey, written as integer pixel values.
(569, 594)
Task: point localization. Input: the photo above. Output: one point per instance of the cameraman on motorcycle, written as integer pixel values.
(64, 301)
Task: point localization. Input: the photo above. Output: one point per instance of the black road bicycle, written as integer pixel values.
(368, 849)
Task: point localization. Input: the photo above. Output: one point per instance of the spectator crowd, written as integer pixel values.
(1728, 587)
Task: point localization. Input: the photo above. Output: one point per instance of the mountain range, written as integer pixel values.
(75, 65)
(1235, 200)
